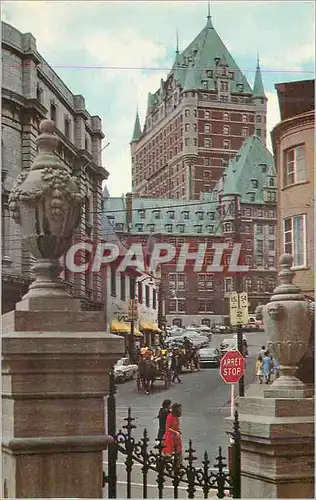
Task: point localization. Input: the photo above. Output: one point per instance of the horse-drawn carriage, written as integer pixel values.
(152, 368)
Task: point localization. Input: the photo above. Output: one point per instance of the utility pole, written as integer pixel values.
(131, 336)
(238, 286)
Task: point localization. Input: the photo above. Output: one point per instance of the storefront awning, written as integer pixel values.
(149, 327)
(123, 328)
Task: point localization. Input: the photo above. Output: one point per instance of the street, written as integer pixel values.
(206, 403)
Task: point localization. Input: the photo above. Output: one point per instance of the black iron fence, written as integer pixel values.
(208, 479)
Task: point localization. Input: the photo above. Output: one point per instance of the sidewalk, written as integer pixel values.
(253, 391)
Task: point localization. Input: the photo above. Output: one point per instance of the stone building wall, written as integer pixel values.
(32, 91)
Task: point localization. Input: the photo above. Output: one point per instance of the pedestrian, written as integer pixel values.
(244, 348)
(176, 366)
(267, 362)
(172, 437)
(262, 350)
(259, 368)
(162, 417)
(276, 368)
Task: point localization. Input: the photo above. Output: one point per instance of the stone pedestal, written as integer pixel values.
(55, 367)
(277, 447)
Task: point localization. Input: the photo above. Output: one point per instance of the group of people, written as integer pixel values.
(266, 366)
(169, 433)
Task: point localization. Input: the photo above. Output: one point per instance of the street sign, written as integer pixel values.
(238, 308)
(233, 308)
(133, 310)
(232, 367)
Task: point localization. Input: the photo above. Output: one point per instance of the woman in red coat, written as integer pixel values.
(172, 438)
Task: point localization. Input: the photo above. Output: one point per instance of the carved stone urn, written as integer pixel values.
(45, 202)
(287, 321)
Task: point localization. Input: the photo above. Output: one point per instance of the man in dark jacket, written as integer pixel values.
(162, 417)
(176, 366)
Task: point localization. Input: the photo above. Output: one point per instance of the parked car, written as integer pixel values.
(197, 339)
(209, 357)
(228, 345)
(124, 370)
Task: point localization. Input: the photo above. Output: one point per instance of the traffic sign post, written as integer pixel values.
(232, 368)
(238, 311)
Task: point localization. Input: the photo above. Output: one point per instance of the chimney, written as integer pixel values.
(129, 208)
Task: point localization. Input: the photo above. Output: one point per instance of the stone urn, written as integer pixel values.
(46, 202)
(287, 319)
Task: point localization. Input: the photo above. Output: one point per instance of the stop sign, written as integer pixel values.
(232, 367)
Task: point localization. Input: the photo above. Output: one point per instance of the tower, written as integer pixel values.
(133, 144)
(260, 101)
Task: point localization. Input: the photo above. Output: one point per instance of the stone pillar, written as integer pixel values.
(55, 358)
(277, 430)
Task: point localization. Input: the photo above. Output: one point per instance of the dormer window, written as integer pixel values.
(169, 228)
(224, 86)
(209, 74)
(200, 215)
(212, 215)
(254, 183)
(181, 228)
(217, 59)
(204, 84)
(252, 197)
(210, 229)
(185, 215)
(156, 214)
(264, 168)
(171, 214)
(228, 227)
(240, 87)
(119, 226)
(141, 214)
(271, 182)
(140, 227)
(198, 229)
(151, 228)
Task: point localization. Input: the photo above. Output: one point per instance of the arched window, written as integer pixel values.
(271, 182)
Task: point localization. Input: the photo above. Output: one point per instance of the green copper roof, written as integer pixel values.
(229, 188)
(137, 130)
(202, 54)
(258, 89)
(249, 171)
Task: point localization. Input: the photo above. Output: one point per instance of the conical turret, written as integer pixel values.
(258, 88)
(137, 130)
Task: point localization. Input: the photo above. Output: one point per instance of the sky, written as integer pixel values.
(114, 53)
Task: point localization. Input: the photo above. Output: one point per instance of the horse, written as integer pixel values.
(147, 374)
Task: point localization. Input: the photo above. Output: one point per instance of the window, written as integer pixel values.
(181, 305)
(259, 212)
(224, 86)
(271, 182)
(254, 183)
(67, 127)
(123, 287)
(181, 228)
(198, 229)
(226, 130)
(147, 295)
(244, 131)
(187, 127)
(154, 299)
(228, 285)
(207, 129)
(248, 260)
(39, 93)
(187, 112)
(186, 141)
(260, 285)
(244, 118)
(271, 285)
(207, 115)
(200, 215)
(212, 215)
(248, 283)
(271, 230)
(259, 260)
(180, 282)
(259, 118)
(271, 262)
(53, 112)
(226, 116)
(205, 306)
(140, 227)
(119, 226)
(185, 215)
(294, 166)
(210, 229)
(259, 246)
(228, 227)
(226, 144)
(140, 292)
(113, 282)
(271, 196)
(271, 245)
(141, 214)
(172, 306)
(207, 143)
(156, 214)
(295, 239)
(252, 197)
(169, 228)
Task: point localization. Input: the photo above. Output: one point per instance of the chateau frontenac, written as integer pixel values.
(200, 168)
